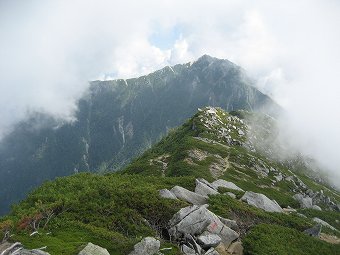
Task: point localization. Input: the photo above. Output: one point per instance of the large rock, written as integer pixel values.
(208, 240)
(189, 196)
(165, 193)
(261, 201)
(304, 201)
(324, 223)
(204, 188)
(222, 183)
(148, 246)
(194, 220)
(31, 252)
(92, 249)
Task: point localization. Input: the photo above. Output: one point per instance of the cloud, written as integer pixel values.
(49, 50)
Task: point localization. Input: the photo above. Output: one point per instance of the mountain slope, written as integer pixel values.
(118, 120)
(113, 209)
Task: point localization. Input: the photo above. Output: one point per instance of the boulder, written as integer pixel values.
(227, 234)
(194, 220)
(261, 201)
(204, 188)
(92, 249)
(148, 246)
(165, 193)
(324, 223)
(314, 231)
(235, 248)
(305, 201)
(222, 183)
(189, 196)
(208, 240)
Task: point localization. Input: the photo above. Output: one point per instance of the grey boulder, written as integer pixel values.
(204, 188)
(189, 196)
(225, 184)
(92, 249)
(148, 246)
(304, 201)
(165, 193)
(194, 220)
(261, 201)
(324, 223)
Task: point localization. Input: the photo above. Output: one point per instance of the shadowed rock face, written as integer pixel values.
(118, 120)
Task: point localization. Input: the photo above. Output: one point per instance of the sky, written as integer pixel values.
(49, 50)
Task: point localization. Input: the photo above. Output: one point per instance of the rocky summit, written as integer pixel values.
(211, 186)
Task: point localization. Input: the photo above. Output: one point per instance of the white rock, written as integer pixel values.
(189, 196)
(225, 184)
(148, 246)
(92, 249)
(208, 240)
(261, 201)
(204, 188)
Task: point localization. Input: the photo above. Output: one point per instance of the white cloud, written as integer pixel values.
(50, 49)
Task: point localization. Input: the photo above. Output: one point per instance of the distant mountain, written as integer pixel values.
(119, 119)
(207, 187)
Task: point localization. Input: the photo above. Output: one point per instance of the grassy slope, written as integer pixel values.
(116, 210)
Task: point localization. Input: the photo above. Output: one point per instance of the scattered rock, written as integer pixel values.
(235, 248)
(261, 201)
(165, 193)
(189, 196)
(225, 184)
(314, 231)
(92, 249)
(305, 201)
(148, 246)
(278, 177)
(204, 188)
(208, 240)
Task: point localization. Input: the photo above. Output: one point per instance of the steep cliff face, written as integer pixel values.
(118, 120)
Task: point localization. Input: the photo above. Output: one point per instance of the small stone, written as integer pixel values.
(208, 240)
(148, 246)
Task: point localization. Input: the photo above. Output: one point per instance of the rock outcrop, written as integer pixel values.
(305, 201)
(165, 193)
(261, 201)
(7, 248)
(204, 188)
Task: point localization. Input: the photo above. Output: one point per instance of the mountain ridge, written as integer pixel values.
(115, 123)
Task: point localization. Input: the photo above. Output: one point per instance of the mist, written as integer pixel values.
(49, 50)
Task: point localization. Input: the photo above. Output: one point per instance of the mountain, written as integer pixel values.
(243, 197)
(118, 120)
